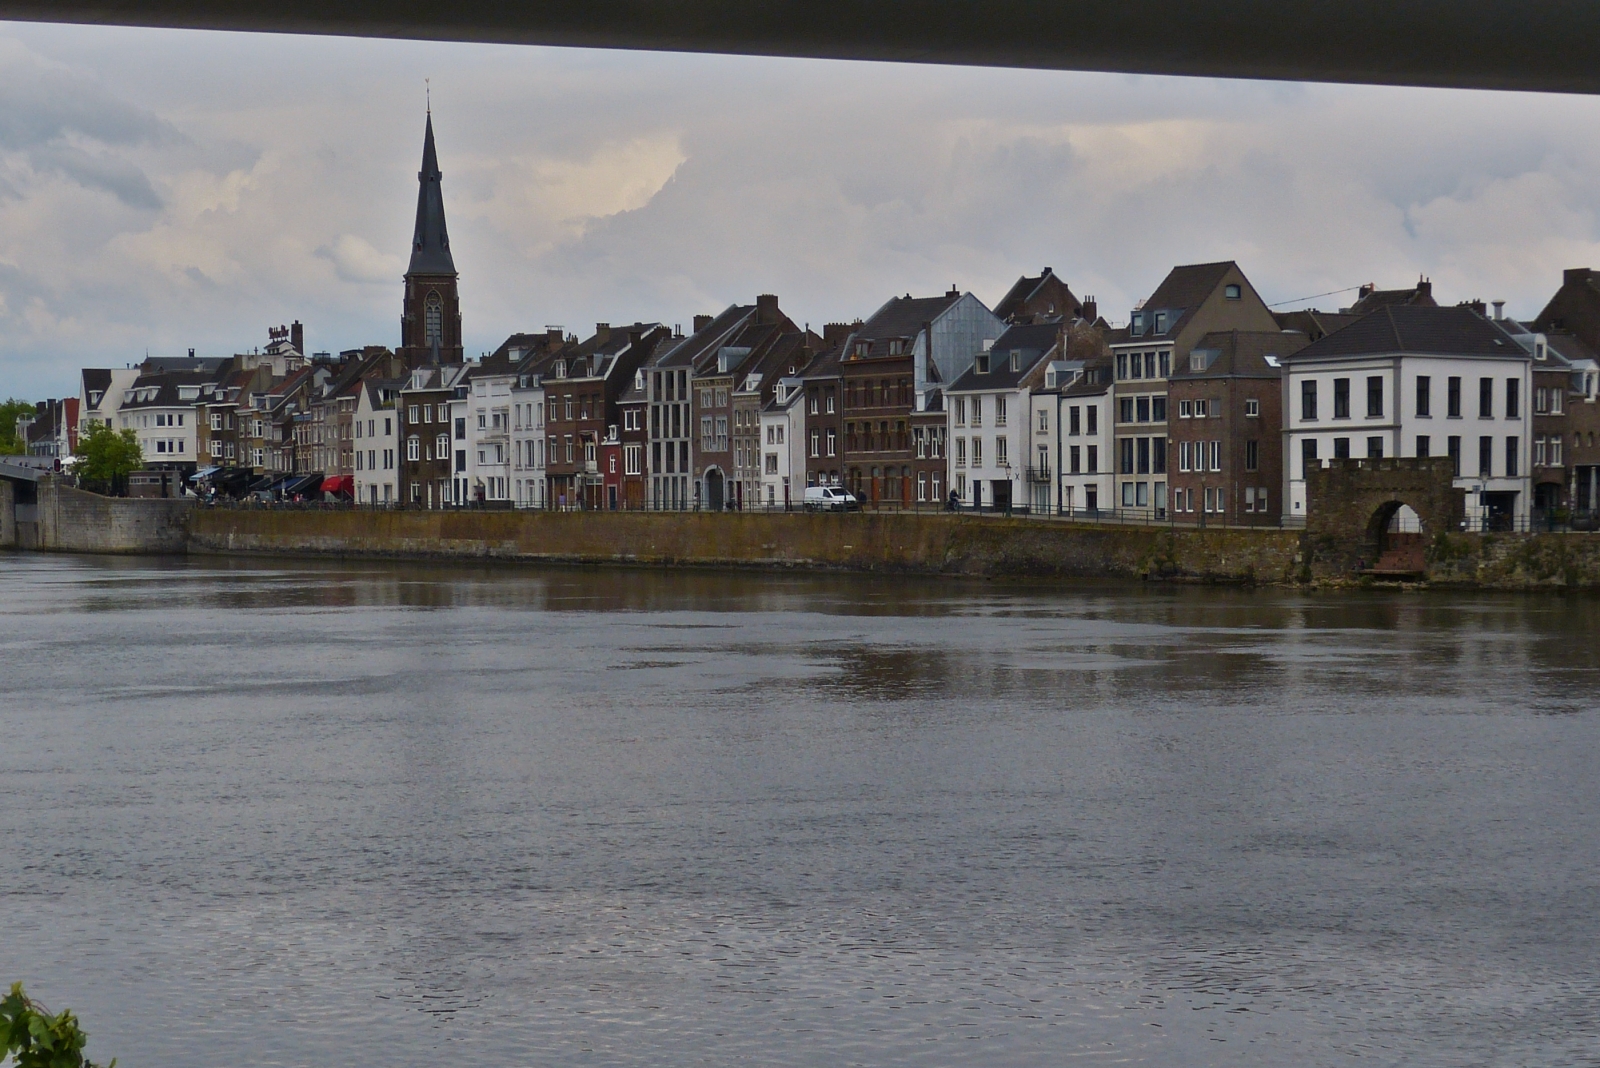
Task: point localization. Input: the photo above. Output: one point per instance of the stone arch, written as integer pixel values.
(1397, 539)
(715, 484)
(1350, 504)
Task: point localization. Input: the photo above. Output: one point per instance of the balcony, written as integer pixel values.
(1039, 474)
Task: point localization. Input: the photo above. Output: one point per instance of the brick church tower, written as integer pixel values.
(430, 328)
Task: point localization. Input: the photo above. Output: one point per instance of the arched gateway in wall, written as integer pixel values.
(1379, 515)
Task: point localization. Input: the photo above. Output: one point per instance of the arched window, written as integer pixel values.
(433, 321)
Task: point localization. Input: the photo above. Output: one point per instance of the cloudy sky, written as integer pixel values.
(166, 190)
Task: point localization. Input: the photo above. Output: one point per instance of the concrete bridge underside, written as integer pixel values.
(1539, 45)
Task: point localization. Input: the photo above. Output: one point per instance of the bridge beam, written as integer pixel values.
(1542, 45)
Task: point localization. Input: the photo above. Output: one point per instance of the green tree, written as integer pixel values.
(10, 410)
(106, 457)
(36, 1039)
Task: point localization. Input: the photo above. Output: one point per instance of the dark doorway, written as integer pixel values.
(714, 490)
(1001, 492)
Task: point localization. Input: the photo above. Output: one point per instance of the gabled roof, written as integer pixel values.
(1241, 354)
(1033, 343)
(96, 380)
(1027, 288)
(1372, 298)
(689, 351)
(1095, 381)
(430, 241)
(1313, 322)
(1418, 329)
(1182, 292)
(900, 319)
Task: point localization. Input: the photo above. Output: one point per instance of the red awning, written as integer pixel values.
(337, 484)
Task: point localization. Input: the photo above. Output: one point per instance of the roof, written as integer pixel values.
(1241, 354)
(1027, 288)
(1031, 342)
(1313, 322)
(901, 318)
(1095, 381)
(1417, 329)
(1183, 290)
(686, 352)
(1372, 298)
(96, 380)
(430, 241)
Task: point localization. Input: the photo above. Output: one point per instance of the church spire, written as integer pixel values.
(430, 243)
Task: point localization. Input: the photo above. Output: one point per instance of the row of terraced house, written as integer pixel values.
(1208, 405)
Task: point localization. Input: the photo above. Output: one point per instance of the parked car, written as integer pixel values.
(830, 499)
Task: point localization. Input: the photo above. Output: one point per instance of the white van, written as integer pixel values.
(829, 499)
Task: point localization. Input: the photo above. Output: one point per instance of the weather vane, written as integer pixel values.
(427, 92)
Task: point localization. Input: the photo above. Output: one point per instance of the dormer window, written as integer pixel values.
(561, 368)
(1231, 291)
(982, 365)
(1136, 324)
(861, 350)
(1016, 360)
(1197, 361)
(1161, 322)
(896, 346)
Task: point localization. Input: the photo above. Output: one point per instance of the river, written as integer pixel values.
(309, 813)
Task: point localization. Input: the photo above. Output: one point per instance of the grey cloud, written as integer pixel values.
(44, 105)
(101, 171)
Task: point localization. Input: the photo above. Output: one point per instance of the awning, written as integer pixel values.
(303, 484)
(338, 484)
(204, 472)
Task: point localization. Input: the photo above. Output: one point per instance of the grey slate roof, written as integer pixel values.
(1241, 354)
(1412, 328)
(901, 318)
(1034, 342)
(430, 241)
(1181, 293)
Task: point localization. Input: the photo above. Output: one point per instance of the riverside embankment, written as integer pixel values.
(929, 544)
(63, 519)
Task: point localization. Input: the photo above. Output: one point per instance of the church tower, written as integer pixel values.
(430, 328)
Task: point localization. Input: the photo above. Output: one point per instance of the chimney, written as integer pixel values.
(701, 322)
(1575, 276)
(767, 312)
(602, 332)
(297, 337)
(1366, 290)
(191, 354)
(1499, 309)
(1424, 289)
(554, 336)
(1090, 309)
(1475, 305)
(954, 292)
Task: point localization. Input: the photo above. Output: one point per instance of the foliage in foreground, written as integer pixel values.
(106, 457)
(38, 1040)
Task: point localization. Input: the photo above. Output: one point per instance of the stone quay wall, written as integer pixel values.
(929, 544)
(74, 521)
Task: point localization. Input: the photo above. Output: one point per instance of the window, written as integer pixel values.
(961, 411)
(1424, 397)
(1185, 409)
(1231, 291)
(981, 363)
(1375, 448)
(412, 413)
(816, 443)
(1308, 456)
(1252, 455)
(1158, 409)
(1183, 456)
(1074, 458)
(1555, 452)
(977, 452)
(1422, 446)
(433, 321)
(1513, 399)
(1044, 421)
(1341, 398)
(1125, 410)
(1092, 413)
(1072, 420)
(461, 429)
(833, 441)
(1453, 398)
(1485, 456)
(1000, 411)
(1252, 409)
(1375, 397)
(1201, 409)
(1308, 400)
(1122, 366)
(961, 452)
(1341, 448)
(1486, 398)
(1125, 458)
(1001, 458)
(1092, 459)
(1511, 456)
(442, 446)
(1142, 406)
(977, 411)
(413, 449)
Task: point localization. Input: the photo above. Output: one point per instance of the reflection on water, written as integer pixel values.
(275, 812)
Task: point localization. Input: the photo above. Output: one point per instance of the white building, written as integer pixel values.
(527, 441)
(991, 422)
(376, 442)
(1072, 438)
(100, 394)
(1415, 381)
(782, 432)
